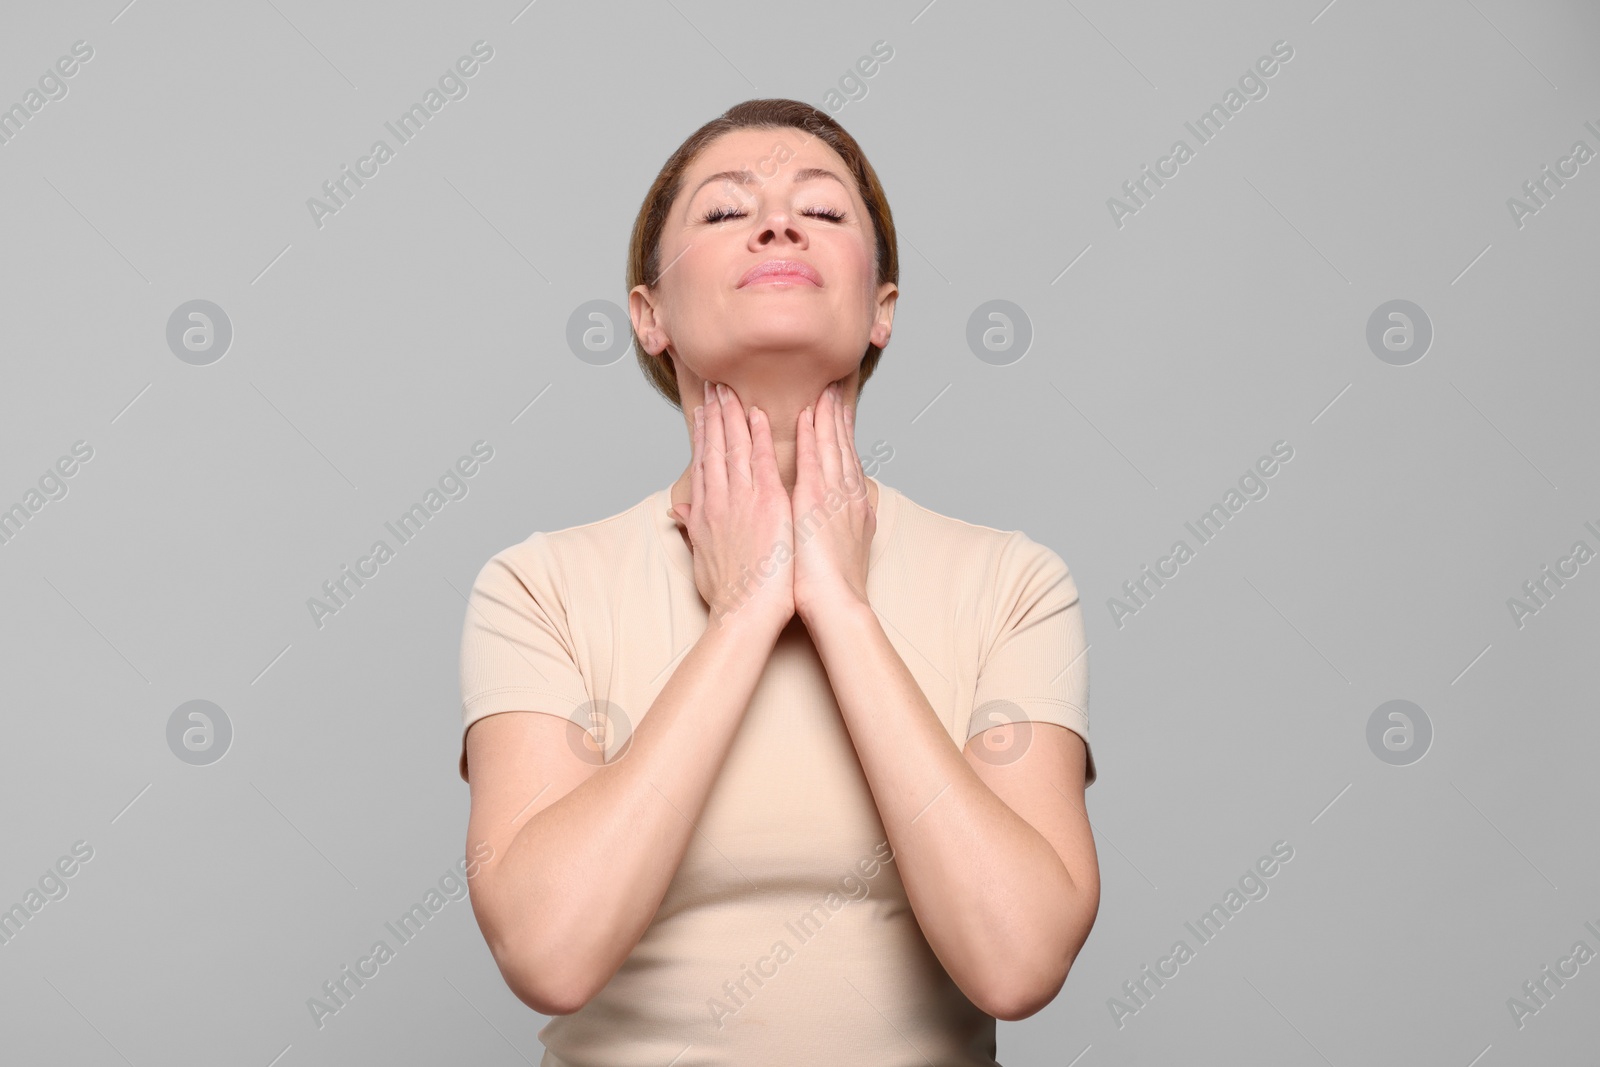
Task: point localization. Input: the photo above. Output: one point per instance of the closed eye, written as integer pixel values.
(717, 214)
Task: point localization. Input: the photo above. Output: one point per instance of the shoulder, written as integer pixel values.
(996, 552)
(614, 538)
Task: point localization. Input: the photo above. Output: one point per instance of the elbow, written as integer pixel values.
(1015, 1000)
(1025, 990)
(550, 1000)
(547, 990)
(547, 976)
(538, 981)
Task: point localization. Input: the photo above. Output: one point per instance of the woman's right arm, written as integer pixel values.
(583, 852)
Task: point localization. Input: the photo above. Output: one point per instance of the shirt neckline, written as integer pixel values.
(672, 543)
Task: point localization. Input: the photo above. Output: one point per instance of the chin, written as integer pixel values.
(776, 335)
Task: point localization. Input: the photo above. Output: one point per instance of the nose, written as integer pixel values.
(778, 227)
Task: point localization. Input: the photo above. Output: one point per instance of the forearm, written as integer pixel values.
(584, 877)
(991, 895)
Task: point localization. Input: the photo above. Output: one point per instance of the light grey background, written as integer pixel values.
(1229, 313)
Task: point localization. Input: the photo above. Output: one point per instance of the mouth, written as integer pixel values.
(781, 272)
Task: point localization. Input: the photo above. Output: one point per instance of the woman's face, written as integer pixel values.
(754, 196)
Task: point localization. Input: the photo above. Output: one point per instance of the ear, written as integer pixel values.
(647, 322)
(883, 323)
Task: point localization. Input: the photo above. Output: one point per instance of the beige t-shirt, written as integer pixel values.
(786, 935)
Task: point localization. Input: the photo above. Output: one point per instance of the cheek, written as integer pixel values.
(855, 269)
(703, 270)
(688, 287)
(860, 259)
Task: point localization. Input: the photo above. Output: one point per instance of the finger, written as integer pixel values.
(736, 431)
(697, 480)
(852, 458)
(763, 457)
(805, 454)
(716, 454)
(827, 441)
(849, 465)
(850, 437)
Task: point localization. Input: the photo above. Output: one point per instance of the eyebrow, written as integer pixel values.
(746, 177)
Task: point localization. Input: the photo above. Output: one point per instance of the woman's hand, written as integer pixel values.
(738, 515)
(833, 517)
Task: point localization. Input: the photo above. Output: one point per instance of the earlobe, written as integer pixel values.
(643, 315)
(655, 345)
(888, 296)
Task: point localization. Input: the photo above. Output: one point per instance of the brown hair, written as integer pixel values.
(644, 248)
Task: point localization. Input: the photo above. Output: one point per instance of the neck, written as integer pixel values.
(783, 414)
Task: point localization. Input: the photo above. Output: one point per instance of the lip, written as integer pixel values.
(774, 270)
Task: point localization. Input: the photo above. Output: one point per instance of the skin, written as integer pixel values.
(997, 856)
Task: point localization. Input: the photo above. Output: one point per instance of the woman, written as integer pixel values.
(815, 821)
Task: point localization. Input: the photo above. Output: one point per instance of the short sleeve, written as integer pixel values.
(516, 648)
(1036, 668)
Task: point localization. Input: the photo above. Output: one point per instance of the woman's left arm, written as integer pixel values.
(996, 855)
